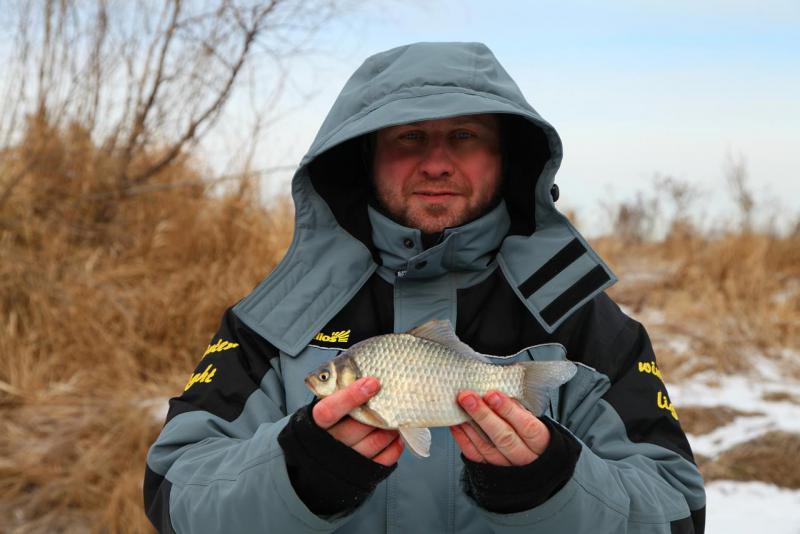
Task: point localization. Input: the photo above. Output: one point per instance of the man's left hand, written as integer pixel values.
(517, 437)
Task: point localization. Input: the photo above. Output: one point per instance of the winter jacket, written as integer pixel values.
(518, 276)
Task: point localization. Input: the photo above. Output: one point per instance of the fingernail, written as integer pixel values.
(469, 402)
(369, 386)
(493, 400)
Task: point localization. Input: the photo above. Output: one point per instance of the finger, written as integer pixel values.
(349, 431)
(503, 435)
(486, 449)
(375, 442)
(390, 454)
(528, 427)
(332, 408)
(467, 448)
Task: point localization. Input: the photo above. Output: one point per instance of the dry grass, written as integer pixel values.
(107, 301)
(770, 458)
(727, 299)
(704, 419)
(781, 396)
(108, 298)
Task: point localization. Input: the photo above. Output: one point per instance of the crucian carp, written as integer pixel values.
(421, 372)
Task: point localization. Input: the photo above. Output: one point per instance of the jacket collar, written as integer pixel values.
(470, 247)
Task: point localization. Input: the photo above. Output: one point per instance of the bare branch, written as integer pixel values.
(213, 109)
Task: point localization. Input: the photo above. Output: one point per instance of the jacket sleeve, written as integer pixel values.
(635, 471)
(216, 465)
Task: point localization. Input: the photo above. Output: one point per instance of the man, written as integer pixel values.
(427, 194)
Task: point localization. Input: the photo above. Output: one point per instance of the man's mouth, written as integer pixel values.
(436, 195)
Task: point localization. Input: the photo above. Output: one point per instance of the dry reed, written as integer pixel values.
(107, 300)
(722, 303)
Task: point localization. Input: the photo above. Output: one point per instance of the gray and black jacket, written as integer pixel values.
(238, 452)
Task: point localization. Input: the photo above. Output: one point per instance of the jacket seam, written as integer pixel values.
(548, 516)
(233, 477)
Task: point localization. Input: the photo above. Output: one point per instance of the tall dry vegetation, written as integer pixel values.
(713, 298)
(107, 302)
(118, 251)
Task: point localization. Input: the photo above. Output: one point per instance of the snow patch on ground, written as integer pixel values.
(741, 393)
(747, 507)
(157, 408)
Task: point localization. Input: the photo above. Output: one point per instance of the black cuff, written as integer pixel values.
(512, 489)
(327, 475)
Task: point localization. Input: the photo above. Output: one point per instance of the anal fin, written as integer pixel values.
(417, 439)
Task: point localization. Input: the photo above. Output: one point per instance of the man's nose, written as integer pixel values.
(437, 161)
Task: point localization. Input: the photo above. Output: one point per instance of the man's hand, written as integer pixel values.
(379, 445)
(517, 436)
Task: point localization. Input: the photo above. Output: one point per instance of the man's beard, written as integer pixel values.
(436, 217)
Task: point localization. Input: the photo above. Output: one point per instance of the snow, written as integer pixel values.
(157, 408)
(734, 507)
(744, 394)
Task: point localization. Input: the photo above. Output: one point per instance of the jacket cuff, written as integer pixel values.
(513, 489)
(328, 476)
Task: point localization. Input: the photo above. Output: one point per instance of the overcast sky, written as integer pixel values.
(633, 88)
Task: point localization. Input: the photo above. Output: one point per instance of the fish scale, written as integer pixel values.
(420, 380)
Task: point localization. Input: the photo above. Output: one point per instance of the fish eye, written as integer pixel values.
(324, 375)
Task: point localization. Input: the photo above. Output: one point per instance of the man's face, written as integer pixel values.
(441, 173)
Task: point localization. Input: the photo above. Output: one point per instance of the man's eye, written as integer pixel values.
(411, 136)
(463, 135)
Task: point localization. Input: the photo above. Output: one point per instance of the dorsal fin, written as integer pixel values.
(441, 332)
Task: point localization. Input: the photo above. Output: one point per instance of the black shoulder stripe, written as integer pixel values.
(230, 371)
(156, 500)
(578, 291)
(563, 258)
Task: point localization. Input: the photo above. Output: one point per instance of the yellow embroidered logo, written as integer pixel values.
(219, 346)
(665, 404)
(651, 368)
(340, 336)
(204, 377)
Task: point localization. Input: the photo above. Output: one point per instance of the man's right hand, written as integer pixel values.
(380, 445)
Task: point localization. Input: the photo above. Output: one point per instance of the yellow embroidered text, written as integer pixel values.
(665, 404)
(652, 368)
(219, 346)
(204, 377)
(340, 336)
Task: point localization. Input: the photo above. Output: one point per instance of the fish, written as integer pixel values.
(421, 372)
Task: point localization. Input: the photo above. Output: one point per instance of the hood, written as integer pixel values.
(332, 252)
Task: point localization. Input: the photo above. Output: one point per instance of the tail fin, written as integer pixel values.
(541, 378)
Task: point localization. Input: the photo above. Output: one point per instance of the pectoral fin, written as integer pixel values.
(417, 439)
(367, 415)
